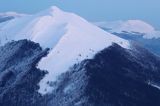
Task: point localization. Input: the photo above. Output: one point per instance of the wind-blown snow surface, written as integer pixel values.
(131, 26)
(70, 37)
(9, 16)
(13, 14)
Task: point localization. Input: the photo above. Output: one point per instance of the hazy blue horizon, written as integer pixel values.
(92, 10)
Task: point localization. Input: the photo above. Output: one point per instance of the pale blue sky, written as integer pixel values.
(93, 10)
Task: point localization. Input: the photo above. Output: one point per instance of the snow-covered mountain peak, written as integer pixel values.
(131, 26)
(55, 8)
(138, 26)
(71, 38)
(52, 11)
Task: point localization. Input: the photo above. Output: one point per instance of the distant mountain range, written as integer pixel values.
(135, 30)
(56, 58)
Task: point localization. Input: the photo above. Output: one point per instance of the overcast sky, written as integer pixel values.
(93, 10)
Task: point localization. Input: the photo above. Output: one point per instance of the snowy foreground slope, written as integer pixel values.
(135, 30)
(70, 37)
(115, 76)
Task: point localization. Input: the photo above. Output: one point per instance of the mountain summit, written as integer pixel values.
(62, 32)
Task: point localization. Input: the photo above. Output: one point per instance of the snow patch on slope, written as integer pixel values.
(131, 26)
(70, 37)
(156, 86)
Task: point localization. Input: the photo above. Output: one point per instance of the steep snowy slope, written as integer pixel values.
(70, 37)
(115, 76)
